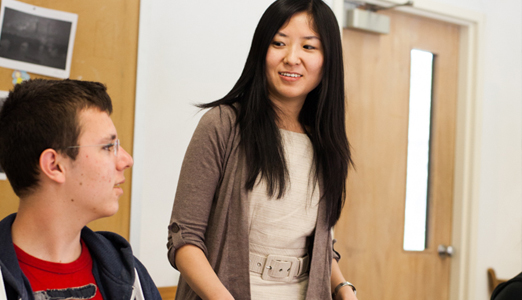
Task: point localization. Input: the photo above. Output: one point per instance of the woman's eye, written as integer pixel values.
(309, 47)
(278, 44)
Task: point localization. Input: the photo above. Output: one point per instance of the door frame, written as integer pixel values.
(468, 135)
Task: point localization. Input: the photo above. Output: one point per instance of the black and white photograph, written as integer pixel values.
(3, 96)
(36, 39)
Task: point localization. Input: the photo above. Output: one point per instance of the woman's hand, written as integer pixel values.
(196, 270)
(344, 293)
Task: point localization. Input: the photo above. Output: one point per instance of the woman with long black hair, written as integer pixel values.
(263, 179)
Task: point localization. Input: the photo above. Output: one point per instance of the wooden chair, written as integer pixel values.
(493, 280)
(168, 293)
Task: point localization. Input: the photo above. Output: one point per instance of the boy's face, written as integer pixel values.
(93, 179)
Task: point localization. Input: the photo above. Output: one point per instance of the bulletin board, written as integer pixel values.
(105, 50)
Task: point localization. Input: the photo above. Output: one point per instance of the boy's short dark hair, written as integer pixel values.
(40, 114)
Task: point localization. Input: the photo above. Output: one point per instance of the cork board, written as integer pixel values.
(105, 50)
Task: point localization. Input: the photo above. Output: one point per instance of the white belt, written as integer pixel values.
(278, 267)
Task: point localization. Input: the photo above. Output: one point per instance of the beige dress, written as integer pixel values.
(281, 226)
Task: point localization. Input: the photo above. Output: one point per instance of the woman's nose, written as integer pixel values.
(292, 56)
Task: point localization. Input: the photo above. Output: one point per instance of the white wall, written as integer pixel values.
(499, 242)
(193, 51)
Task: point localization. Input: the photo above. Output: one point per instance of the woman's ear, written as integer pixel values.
(51, 165)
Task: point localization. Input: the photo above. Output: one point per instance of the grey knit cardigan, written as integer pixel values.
(211, 211)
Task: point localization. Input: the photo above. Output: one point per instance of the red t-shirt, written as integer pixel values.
(60, 281)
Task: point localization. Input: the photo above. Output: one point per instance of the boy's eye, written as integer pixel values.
(108, 147)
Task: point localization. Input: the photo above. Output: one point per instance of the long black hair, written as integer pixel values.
(322, 114)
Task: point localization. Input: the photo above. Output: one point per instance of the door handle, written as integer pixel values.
(444, 251)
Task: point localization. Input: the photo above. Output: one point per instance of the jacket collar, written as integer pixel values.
(113, 263)
(12, 274)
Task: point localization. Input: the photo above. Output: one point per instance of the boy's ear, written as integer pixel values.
(51, 165)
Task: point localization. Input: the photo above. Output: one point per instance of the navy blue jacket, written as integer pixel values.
(510, 290)
(113, 266)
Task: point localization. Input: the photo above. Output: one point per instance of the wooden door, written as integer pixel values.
(371, 228)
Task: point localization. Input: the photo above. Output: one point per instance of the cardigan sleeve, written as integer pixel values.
(200, 176)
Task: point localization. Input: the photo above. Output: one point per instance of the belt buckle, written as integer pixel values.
(280, 268)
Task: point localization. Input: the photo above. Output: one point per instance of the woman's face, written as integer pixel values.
(294, 61)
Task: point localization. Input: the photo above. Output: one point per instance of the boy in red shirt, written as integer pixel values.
(61, 153)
